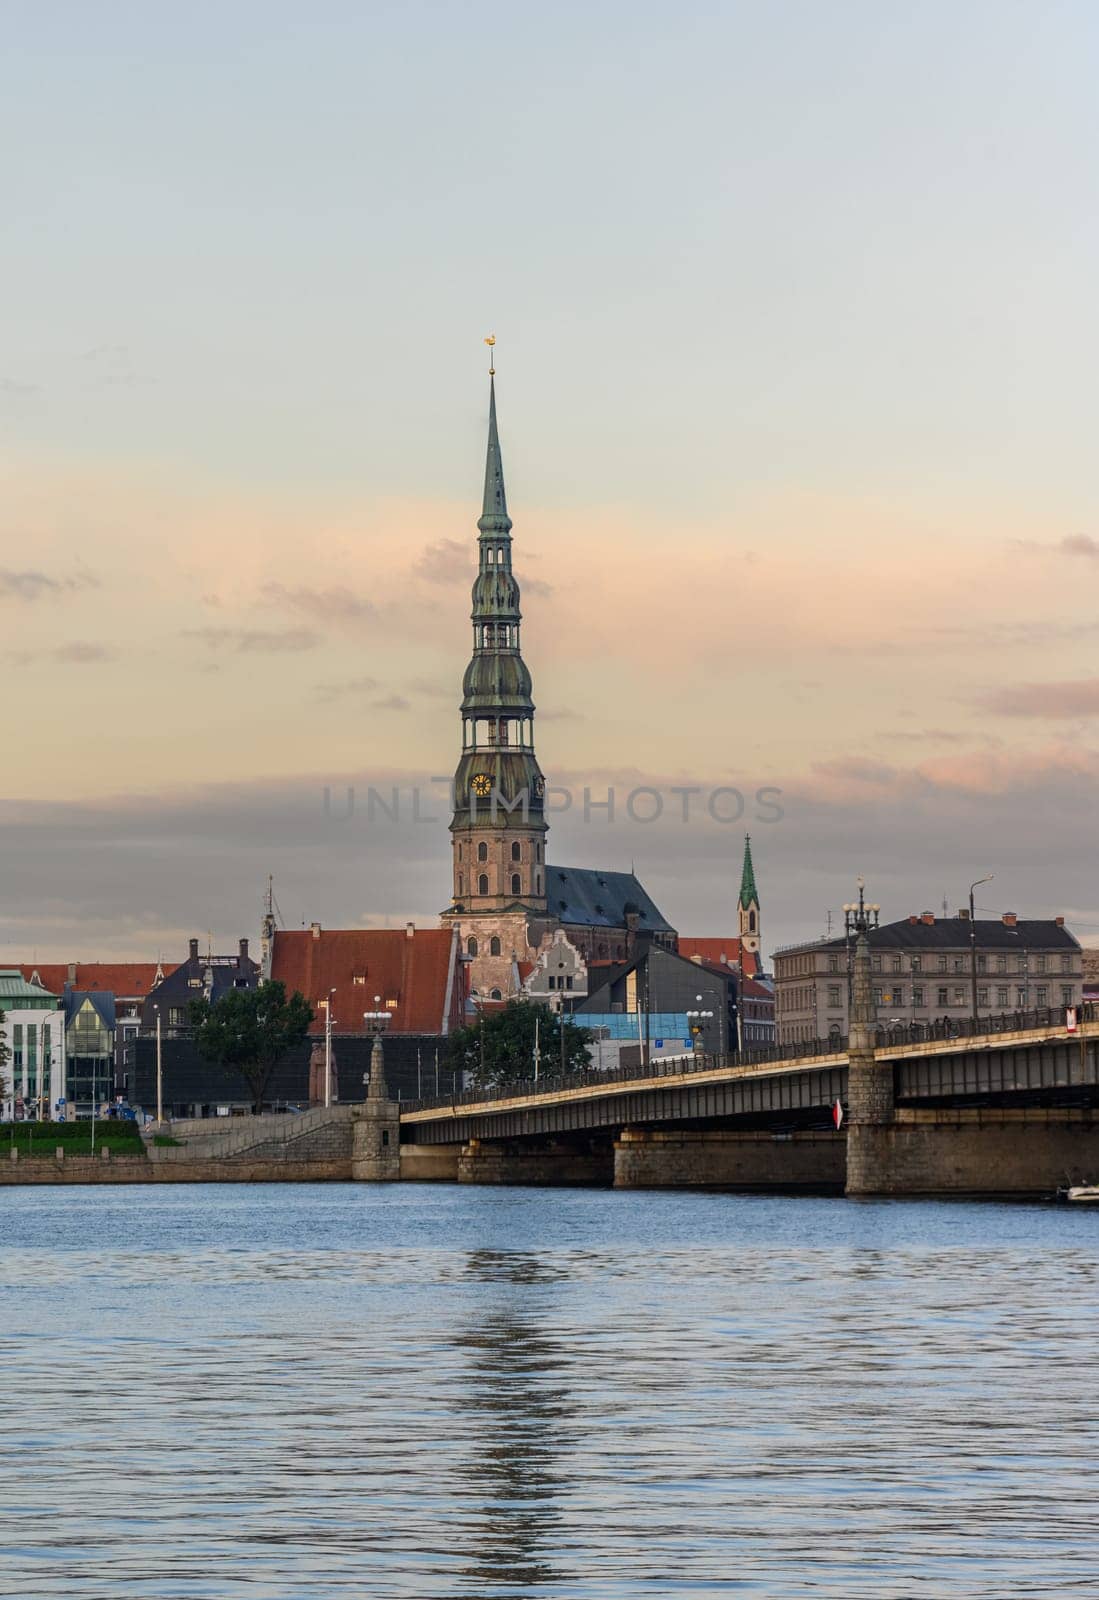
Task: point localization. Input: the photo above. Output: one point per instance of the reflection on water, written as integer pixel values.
(302, 1392)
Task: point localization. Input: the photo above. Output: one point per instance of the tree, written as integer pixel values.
(250, 1030)
(498, 1048)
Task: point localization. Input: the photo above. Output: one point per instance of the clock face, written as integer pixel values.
(481, 784)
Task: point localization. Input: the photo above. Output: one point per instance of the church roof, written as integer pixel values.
(588, 897)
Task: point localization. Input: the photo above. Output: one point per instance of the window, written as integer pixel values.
(459, 849)
(1001, 996)
(1041, 995)
(917, 996)
(1020, 999)
(876, 963)
(833, 994)
(944, 997)
(461, 885)
(942, 963)
(982, 997)
(496, 995)
(538, 883)
(898, 995)
(176, 1016)
(568, 982)
(1066, 994)
(896, 963)
(516, 884)
(482, 851)
(833, 963)
(751, 922)
(551, 982)
(359, 977)
(959, 997)
(1066, 963)
(1040, 963)
(982, 963)
(516, 853)
(959, 963)
(471, 947)
(494, 946)
(916, 963)
(482, 884)
(1001, 963)
(877, 997)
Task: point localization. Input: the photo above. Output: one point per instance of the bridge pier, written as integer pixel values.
(555, 1164)
(969, 1151)
(810, 1161)
(429, 1163)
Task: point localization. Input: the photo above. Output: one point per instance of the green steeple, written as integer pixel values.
(497, 701)
(749, 895)
(494, 512)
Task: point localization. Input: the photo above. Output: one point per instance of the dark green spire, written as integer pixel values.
(494, 512)
(749, 895)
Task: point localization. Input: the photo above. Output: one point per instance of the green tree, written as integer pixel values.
(498, 1049)
(250, 1030)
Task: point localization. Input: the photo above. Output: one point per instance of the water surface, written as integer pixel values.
(303, 1392)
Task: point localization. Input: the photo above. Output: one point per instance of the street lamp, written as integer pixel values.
(973, 944)
(159, 1071)
(328, 1049)
(696, 1019)
(376, 1021)
(859, 920)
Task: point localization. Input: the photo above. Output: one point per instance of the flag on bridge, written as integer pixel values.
(837, 1114)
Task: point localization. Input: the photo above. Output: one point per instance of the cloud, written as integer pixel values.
(535, 586)
(1079, 698)
(256, 641)
(447, 561)
(336, 604)
(391, 702)
(30, 585)
(349, 687)
(1080, 544)
(14, 390)
(79, 652)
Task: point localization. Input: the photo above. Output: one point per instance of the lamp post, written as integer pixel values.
(973, 944)
(376, 1021)
(159, 1071)
(696, 1019)
(328, 1049)
(858, 920)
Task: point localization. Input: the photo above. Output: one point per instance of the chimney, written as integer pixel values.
(71, 979)
(913, 919)
(243, 959)
(1010, 919)
(410, 930)
(964, 913)
(928, 917)
(315, 929)
(1060, 921)
(193, 948)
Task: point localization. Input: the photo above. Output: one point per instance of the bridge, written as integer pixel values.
(1006, 1107)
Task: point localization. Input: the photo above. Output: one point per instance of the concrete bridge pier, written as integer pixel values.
(811, 1160)
(376, 1129)
(556, 1163)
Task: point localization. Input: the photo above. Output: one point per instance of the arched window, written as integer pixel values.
(482, 851)
(461, 885)
(538, 883)
(459, 850)
(516, 854)
(482, 884)
(494, 947)
(751, 922)
(471, 947)
(516, 884)
(496, 995)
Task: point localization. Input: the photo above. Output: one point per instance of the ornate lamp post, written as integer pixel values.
(973, 946)
(697, 1020)
(376, 1022)
(858, 919)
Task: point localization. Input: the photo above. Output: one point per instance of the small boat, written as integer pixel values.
(1080, 1194)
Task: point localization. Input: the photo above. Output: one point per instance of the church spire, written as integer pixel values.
(748, 892)
(494, 512)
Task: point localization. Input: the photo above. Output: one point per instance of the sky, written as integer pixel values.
(797, 342)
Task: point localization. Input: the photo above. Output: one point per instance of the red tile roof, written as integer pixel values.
(417, 975)
(724, 951)
(126, 980)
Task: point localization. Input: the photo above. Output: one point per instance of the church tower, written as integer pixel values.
(498, 829)
(748, 924)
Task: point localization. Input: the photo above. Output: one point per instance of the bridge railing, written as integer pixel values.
(941, 1028)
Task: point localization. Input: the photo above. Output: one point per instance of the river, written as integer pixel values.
(281, 1392)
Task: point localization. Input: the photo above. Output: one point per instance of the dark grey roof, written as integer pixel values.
(952, 933)
(590, 898)
(102, 1001)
